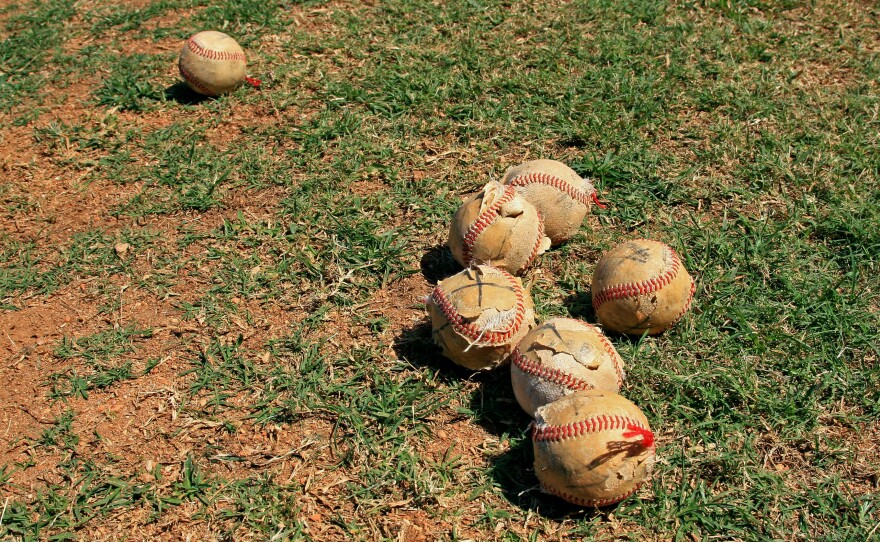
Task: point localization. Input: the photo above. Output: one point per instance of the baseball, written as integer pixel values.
(212, 63)
(641, 286)
(560, 357)
(479, 315)
(497, 227)
(592, 448)
(559, 194)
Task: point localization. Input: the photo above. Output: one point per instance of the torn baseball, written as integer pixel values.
(497, 227)
(641, 286)
(479, 315)
(559, 194)
(560, 357)
(592, 448)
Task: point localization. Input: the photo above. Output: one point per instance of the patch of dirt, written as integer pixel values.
(62, 208)
(30, 337)
(402, 302)
(62, 194)
(367, 187)
(147, 46)
(34, 332)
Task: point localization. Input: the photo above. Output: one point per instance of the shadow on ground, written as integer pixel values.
(580, 306)
(513, 473)
(438, 263)
(494, 404)
(414, 345)
(182, 94)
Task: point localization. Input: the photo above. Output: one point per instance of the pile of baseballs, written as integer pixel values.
(592, 446)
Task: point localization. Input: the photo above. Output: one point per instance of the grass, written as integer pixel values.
(98, 351)
(22, 53)
(254, 364)
(32, 267)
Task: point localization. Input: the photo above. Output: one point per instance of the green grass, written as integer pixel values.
(102, 367)
(129, 86)
(31, 34)
(28, 266)
(286, 227)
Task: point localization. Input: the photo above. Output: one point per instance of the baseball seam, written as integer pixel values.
(549, 374)
(542, 432)
(589, 502)
(584, 198)
(537, 247)
(635, 289)
(192, 80)
(470, 330)
(483, 221)
(213, 54)
(616, 360)
(687, 304)
(615, 357)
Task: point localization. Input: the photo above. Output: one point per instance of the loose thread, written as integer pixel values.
(253, 81)
(646, 434)
(598, 203)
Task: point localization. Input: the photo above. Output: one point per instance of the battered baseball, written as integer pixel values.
(497, 227)
(560, 357)
(212, 63)
(641, 286)
(559, 194)
(479, 315)
(592, 448)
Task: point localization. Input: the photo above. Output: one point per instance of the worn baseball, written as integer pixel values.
(479, 315)
(559, 194)
(641, 286)
(560, 357)
(212, 63)
(497, 227)
(592, 448)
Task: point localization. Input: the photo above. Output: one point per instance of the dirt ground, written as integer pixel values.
(145, 429)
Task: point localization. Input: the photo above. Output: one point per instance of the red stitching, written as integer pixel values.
(609, 348)
(616, 360)
(213, 54)
(550, 374)
(483, 221)
(589, 502)
(470, 329)
(646, 434)
(595, 424)
(584, 198)
(634, 289)
(615, 357)
(687, 304)
(537, 247)
(191, 79)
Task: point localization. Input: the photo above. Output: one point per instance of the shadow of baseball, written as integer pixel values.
(181, 93)
(580, 306)
(438, 264)
(629, 448)
(415, 346)
(513, 472)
